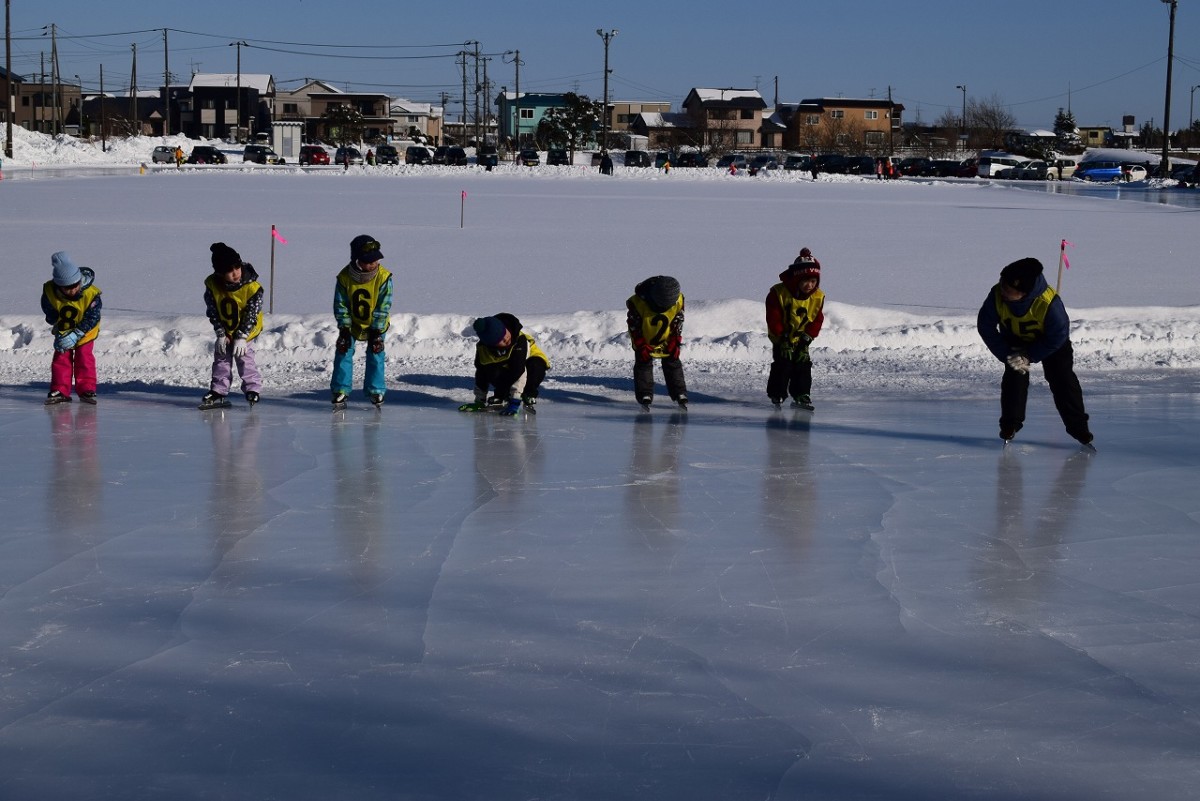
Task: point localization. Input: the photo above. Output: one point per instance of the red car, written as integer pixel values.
(313, 154)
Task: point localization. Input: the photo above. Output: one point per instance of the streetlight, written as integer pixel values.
(1191, 118)
(516, 61)
(1164, 169)
(607, 36)
(962, 121)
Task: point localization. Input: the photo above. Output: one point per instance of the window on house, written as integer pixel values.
(812, 119)
(837, 113)
(25, 101)
(874, 137)
(527, 114)
(745, 137)
(843, 139)
(291, 108)
(747, 114)
(872, 115)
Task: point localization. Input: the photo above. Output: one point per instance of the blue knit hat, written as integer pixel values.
(66, 271)
(489, 330)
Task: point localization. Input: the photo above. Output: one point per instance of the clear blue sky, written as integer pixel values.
(1104, 59)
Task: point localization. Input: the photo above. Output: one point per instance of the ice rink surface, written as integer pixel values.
(875, 601)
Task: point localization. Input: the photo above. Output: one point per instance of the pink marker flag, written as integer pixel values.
(1063, 248)
(275, 234)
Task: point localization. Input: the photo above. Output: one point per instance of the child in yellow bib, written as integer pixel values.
(71, 303)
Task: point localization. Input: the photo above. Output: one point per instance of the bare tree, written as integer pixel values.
(988, 121)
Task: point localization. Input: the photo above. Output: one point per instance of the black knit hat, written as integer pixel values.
(1022, 274)
(806, 265)
(661, 292)
(224, 258)
(365, 249)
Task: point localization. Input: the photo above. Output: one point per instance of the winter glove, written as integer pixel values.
(343, 340)
(375, 338)
(473, 407)
(66, 341)
(643, 350)
(239, 348)
(1018, 362)
(673, 346)
(222, 344)
(805, 339)
(511, 408)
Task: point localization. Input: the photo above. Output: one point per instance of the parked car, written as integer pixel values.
(313, 154)
(417, 154)
(457, 157)
(1189, 176)
(163, 154)
(690, 158)
(989, 166)
(637, 158)
(731, 161)
(663, 157)
(968, 168)
(913, 165)
(529, 157)
(558, 158)
(1035, 170)
(387, 154)
(1062, 169)
(830, 162)
(940, 168)
(860, 165)
(206, 154)
(763, 161)
(486, 156)
(797, 162)
(347, 155)
(1103, 170)
(261, 154)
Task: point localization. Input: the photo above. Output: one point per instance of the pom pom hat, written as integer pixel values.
(224, 258)
(66, 271)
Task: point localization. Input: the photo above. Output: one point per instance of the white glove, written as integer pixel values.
(239, 349)
(222, 344)
(1019, 362)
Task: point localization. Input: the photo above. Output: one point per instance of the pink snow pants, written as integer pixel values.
(79, 363)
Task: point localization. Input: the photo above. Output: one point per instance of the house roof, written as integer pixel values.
(850, 102)
(265, 84)
(725, 98)
(663, 119)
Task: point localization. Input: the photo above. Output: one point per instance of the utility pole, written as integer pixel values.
(516, 62)
(103, 119)
(166, 87)
(607, 36)
(239, 44)
(8, 79)
(477, 142)
(137, 127)
(1164, 169)
(487, 100)
(463, 117)
(56, 91)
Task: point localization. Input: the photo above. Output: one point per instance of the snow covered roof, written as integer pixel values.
(664, 119)
(265, 84)
(725, 94)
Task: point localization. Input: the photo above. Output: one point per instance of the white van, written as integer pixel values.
(992, 163)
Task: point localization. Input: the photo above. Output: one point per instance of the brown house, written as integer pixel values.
(843, 125)
(725, 119)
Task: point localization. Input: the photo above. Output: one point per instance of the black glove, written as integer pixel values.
(375, 338)
(343, 340)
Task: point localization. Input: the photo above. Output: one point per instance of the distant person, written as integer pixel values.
(71, 303)
(371, 157)
(508, 361)
(606, 164)
(666, 168)
(233, 300)
(178, 156)
(655, 321)
(362, 304)
(1023, 321)
(795, 313)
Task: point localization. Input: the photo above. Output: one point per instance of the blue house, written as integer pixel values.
(519, 116)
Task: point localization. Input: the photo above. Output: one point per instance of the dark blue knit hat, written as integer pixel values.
(489, 330)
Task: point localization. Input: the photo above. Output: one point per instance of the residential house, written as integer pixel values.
(666, 130)
(45, 107)
(374, 107)
(1096, 136)
(422, 118)
(842, 124)
(295, 105)
(228, 104)
(124, 114)
(725, 119)
(623, 112)
(519, 115)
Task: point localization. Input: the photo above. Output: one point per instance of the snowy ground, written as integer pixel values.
(875, 601)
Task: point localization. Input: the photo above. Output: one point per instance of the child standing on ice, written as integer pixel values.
(71, 303)
(507, 359)
(1023, 321)
(233, 300)
(795, 312)
(362, 304)
(655, 321)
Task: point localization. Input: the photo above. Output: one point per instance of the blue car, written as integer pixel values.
(1110, 171)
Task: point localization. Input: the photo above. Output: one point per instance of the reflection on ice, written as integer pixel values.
(587, 603)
